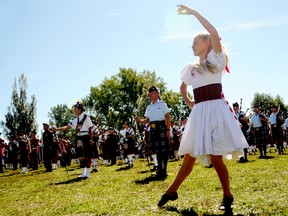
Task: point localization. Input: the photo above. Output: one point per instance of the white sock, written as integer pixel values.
(87, 172)
(84, 170)
(154, 157)
(24, 170)
(130, 158)
(94, 163)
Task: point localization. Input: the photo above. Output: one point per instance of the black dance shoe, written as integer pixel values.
(226, 203)
(166, 197)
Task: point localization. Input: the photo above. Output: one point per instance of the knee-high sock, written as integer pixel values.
(130, 158)
(94, 163)
(154, 157)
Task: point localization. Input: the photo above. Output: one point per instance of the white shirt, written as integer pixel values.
(255, 120)
(239, 113)
(273, 118)
(129, 130)
(86, 125)
(157, 111)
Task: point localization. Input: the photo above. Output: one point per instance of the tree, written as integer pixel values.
(21, 115)
(265, 101)
(60, 115)
(177, 105)
(115, 99)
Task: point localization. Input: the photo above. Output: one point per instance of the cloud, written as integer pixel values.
(257, 24)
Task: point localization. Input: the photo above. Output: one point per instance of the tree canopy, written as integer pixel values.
(21, 115)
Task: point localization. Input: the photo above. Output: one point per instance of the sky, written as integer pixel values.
(65, 47)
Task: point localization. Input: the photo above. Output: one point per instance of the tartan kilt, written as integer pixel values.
(130, 145)
(175, 144)
(158, 142)
(277, 133)
(83, 147)
(94, 151)
(261, 135)
(146, 144)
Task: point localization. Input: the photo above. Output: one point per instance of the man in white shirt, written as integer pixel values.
(158, 116)
(259, 128)
(84, 138)
(276, 121)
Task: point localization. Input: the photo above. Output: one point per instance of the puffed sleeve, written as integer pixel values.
(186, 75)
(218, 59)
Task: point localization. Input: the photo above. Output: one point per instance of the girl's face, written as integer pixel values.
(200, 46)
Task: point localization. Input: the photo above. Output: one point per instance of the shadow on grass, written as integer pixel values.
(144, 171)
(149, 179)
(191, 212)
(269, 157)
(70, 181)
(124, 168)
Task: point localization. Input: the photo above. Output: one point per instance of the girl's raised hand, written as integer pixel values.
(182, 9)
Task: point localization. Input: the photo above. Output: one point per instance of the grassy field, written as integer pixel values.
(259, 188)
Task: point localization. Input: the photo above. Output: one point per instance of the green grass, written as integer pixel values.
(259, 188)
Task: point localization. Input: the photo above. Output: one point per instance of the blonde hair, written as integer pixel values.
(206, 65)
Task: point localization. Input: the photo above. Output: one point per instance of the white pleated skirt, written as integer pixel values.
(212, 129)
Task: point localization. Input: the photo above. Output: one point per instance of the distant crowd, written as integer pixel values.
(28, 151)
(264, 133)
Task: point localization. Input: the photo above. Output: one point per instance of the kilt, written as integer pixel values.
(250, 139)
(83, 147)
(261, 135)
(94, 151)
(277, 133)
(175, 144)
(129, 145)
(24, 157)
(158, 142)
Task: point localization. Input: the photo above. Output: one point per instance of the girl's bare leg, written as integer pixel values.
(185, 170)
(222, 173)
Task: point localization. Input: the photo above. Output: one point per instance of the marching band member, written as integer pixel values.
(84, 138)
(47, 138)
(158, 116)
(241, 117)
(24, 152)
(129, 141)
(94, 147)
(259, 129)
(35, 143)
(276, 121)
